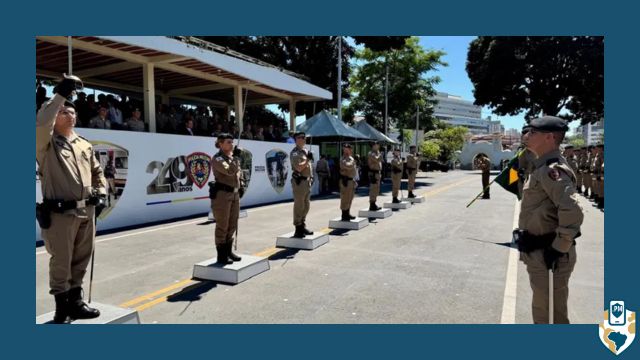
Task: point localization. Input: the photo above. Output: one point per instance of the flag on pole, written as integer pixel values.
(509, 177)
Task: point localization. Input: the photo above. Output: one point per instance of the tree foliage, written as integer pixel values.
(449, 139)
(539, 74)
(409, 87)
(430, 149)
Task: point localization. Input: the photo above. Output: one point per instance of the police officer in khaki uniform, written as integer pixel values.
(225, 195)
(301, 181)
(579, 154)
(484, 164)
(588, 191)
(569, 155)
(601, 175)
(374, 162)
(396, 175)
(74, 191)
(413, 162)
(348, 170)
(550, 219)
(597, 173)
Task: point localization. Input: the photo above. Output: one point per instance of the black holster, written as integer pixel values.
(372, 177)
(213, 190)
(345, 180)
(43, 215)
(527, 242)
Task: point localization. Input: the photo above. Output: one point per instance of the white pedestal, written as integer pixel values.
(417, 199)
(309, 242)
(355, 224)
(235, 273)
(379, 214)
(400, 205)
(109, 314)
(243, 214)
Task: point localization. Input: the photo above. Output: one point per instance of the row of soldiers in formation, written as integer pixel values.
(588, 165)
(228, 175)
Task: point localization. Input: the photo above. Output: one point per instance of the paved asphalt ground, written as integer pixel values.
(437, 262)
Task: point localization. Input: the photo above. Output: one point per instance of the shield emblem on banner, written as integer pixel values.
(618, 336)
(199, 168)
(277, 168)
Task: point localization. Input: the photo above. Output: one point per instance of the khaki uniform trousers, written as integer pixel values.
(226, 208)
(539, 281)
(69, 240)
(301, 201)
(346, 194)
(396, 181)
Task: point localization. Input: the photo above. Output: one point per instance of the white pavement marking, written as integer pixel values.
(511, 284)
(141, 232)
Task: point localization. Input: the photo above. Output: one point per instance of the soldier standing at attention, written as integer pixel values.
(74, 193)
(484, 164)
(550, 219)
(571, 159)
(579, 153)
(301, 181)
(374, 162)
(588, 190)
(347, 183)
(225, 196)
(396, 175)
(413, 162)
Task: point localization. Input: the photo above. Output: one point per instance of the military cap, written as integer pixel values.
(590, 147)
(568, 147)
(600, 146)
(69, 103)
(223, 136)
(549, 124)
(375, 143)
(299, 133)
(346, 145)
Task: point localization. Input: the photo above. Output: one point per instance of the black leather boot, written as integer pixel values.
(223, 257)
(230, 254)
(372, 206)
(411, 196)
(78, 309)
(305, 230)
(345, 215)
(395, 201)
(299, 232)
(351, 217)
(62, 309)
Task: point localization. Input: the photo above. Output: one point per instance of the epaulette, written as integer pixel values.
(552, 161)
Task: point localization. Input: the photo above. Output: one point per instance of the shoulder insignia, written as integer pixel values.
(219, 158)
(554, 174)
(552, 161)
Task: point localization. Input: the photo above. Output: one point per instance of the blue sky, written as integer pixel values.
(454, 77)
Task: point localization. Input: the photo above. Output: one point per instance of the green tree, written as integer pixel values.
(407, 137)
(450, 140)
(409, 87)
(539, 74)
(430, 149)
(576, 140)
(313, 57)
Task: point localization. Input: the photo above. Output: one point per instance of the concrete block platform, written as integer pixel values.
(417, 199)
(309, 242)
(379, 214)
(401, 205)
(109, 314)
(235, 273)
(355, 224)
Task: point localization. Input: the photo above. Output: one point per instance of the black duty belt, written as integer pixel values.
(61, 206)
(410, 169)
(224, 187)
(528, 242)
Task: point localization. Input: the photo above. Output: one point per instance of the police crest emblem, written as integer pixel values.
(618, 329)
(199, 168)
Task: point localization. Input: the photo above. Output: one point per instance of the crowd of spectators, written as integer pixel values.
(107, 111)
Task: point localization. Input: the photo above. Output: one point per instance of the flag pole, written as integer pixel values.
(494, 179)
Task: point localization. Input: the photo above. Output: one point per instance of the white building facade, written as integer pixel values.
(592, 133)
(456, 111)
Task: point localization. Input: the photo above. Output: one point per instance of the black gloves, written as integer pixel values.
(99, 201)
(68, 85)
(310, 155)
(551, 257)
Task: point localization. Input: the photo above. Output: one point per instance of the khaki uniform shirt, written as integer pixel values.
(68, 168)
(412, 161)
(300, 162)
(396, 163)
(226, 170)
(348, 166)
(374, 161)
(549, 202)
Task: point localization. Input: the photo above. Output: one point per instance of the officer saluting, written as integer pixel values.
(301, 181)
(225, 196)
(374, 161)
(74, 191)
(347, 183)
(396, 175)
(550, 219)
(413, 161)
